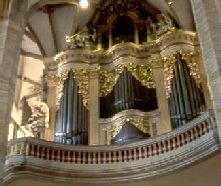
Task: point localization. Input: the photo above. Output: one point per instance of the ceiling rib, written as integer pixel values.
(37, 40)
(53, 31)
(30, 54)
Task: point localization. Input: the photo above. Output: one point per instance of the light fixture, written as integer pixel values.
(170, 3)
(84, 3)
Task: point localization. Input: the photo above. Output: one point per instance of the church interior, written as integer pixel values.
(115, 92)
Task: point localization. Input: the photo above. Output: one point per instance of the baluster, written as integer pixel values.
(27, 149)
(114, 156)
(204, 127)
(68, 156)
(43, 154)
(104, 157)
(94, 158)
(99, 158)
(38, 154)
(89, 157)
(63, 155)
(59, 155)
(188, 133)
(109, 157)
(168, 145)
(33, 150)
(144, 152)
(84, 158)
(139, 153)
(150, 150)
(191, 134)
(174, 142)
(53, 154)
(134, 154)
(130, 154)
(154, 149)
(183, 142)
(47, 153)
(196, 134)
(160, 147)
(200, 130)
(178, 141)
(80, 156)
(120, 156)
(73, 157)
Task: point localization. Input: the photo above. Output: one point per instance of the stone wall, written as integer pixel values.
(11, 32)
(207, 18)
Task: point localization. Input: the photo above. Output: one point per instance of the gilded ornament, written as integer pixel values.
(191, 60)
(139, 123)
(61, 78)
(169, 62)
(108, 78)
(82, 79)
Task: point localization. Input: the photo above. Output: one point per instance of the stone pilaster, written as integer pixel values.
(203, 80)
(207, 18)
(158, 72)
(11, 32)
(93, 107)
(51, 71)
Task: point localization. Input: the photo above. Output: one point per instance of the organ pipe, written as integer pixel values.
(72, 122)
(186, 100)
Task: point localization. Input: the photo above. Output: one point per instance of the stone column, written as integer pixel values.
(93, 103)
(158, 75)
(51, 68)
(11, 32)
(203, 79)
(207, 18)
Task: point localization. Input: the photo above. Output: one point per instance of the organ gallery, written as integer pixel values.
(120, 54)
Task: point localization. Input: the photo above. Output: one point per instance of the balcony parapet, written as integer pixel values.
(98, 164)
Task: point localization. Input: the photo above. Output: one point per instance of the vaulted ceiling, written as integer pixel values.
(50, 21)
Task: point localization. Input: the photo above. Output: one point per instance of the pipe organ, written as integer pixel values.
(128, 103)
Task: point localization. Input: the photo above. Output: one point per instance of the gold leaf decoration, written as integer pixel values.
(82, 79)
(139, 123)
(169, 62)
(108, 78)
(61, 78)
(191, 60)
